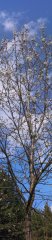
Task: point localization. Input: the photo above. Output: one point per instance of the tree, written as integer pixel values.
(47, 222)
(25, 130)
(12, 214)
(11, 210)
(42, 224)
(38, 225)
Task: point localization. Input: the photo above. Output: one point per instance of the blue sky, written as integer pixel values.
(15, 13)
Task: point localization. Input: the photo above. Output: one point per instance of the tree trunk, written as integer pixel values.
(28, 232)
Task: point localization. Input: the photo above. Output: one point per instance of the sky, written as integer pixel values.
(14, 14)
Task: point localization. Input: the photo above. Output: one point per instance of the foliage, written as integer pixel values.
(47, 222)
(12, 215)
(37, 226)
(11, 210)
(42, 224)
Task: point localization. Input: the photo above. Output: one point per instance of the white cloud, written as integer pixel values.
(3, 14)
(6, 21)
(51, 208)
(29, 25)
(41, 22)
(9, 21)
(33, 27)
(9, 25)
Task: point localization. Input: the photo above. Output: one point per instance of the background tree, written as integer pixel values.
(25, 131)
(47, 222)
(42, 224)
(38, 225)
(11, 210)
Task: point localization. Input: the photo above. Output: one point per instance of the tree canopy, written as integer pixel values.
(25, 125)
